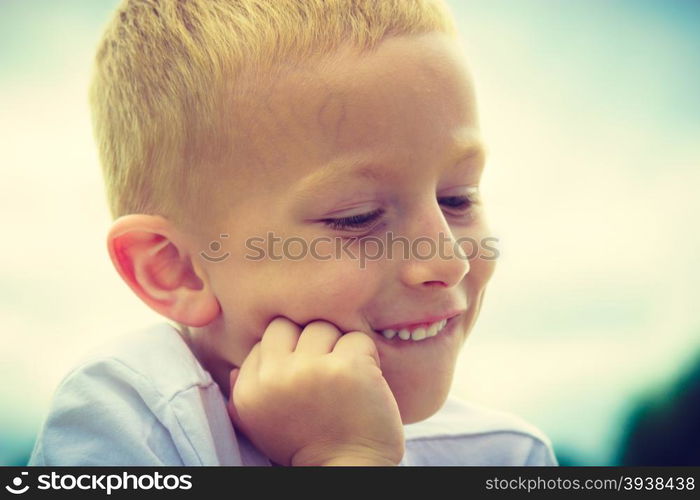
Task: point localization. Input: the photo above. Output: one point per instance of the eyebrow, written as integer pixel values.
(341, 168)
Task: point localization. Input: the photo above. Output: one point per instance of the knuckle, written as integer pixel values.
(320, 325)
(358, 336)
(280, 323)
(361, 341)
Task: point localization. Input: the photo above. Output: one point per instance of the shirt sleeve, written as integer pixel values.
(541, 454)
(488, 449)
(98, 416)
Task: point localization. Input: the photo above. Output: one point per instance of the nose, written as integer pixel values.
(436, 259)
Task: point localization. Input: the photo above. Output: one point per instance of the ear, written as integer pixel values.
(151, 256)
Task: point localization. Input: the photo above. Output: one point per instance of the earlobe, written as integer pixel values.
(151, 257)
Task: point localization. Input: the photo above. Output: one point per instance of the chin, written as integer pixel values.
(419, 403)
(417, 411)
(420, 375)
(411, 415)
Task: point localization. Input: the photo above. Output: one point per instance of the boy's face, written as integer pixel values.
(392, 138)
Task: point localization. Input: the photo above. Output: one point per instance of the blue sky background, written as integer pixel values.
(591, 113)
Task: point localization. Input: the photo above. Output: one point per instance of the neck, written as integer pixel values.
(218, 368)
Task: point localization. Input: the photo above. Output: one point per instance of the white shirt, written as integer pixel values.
(146, 400)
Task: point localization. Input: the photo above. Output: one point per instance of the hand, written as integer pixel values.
(316, 397)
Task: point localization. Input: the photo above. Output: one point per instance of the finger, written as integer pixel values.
(230, 405)
(251, 363)
(318, 337)
(356, 343)
(247, 372)
(280, 338)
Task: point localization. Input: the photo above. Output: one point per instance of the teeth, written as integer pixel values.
(419, 333)
(432, 331)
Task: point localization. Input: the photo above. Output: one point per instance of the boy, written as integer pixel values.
(228, 127)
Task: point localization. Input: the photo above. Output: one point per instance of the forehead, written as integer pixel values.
(409, 100)
(410, 92)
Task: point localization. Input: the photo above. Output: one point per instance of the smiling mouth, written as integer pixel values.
(417, 333)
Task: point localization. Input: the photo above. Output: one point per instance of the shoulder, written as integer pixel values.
(142, 399)
(465, 433)
(155, 356)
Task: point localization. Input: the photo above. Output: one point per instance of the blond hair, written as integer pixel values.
(162, 65)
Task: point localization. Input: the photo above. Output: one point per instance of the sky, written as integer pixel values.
(590, 111)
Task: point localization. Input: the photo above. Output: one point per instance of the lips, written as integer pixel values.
(424, 322)
(420, 333)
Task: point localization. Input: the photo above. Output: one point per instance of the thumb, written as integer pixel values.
(230, 406)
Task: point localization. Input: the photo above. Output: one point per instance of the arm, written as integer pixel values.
(99, 417)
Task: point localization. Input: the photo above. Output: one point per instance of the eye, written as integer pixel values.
(461, 204)
(360, 221)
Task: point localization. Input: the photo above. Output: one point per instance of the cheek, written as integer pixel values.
(336, 290)
(302, 290)
(481, 268)
(483, 250)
